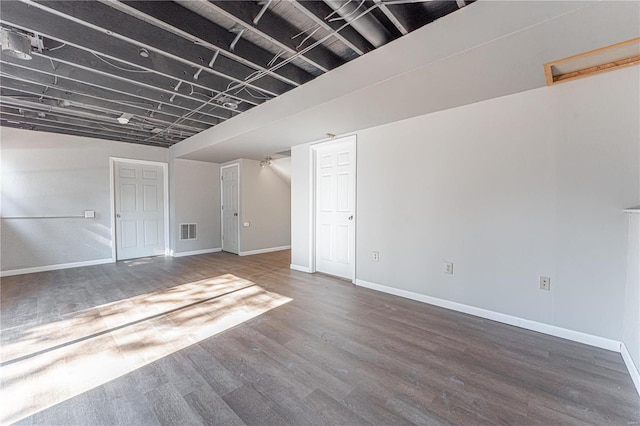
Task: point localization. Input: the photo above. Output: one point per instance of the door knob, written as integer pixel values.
(235, 214)
(351, 217)
(118, 215)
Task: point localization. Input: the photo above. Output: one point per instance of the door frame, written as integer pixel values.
(314, 171)
(112, 191)
(239, 166)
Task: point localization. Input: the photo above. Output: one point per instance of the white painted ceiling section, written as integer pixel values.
(486, 50)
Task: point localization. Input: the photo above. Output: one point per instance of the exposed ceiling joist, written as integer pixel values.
(277, 30)
(65, 71)
(178, 67)
(49, 106)
(356, 13)
(162, 74)
(33, 116)
(317, 11)
(15, 88)
(393, 18)
(109, 89)
(197, 29)
(70, 86)
(41, 125)
(99, 28)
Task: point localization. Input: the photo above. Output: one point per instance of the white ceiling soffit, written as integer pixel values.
(486, 50)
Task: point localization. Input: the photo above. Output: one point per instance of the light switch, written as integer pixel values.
(246, 224)
(89, 214)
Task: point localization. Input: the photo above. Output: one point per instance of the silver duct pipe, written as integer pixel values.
(370, 28)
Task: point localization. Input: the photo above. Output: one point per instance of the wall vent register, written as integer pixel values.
(188, 231)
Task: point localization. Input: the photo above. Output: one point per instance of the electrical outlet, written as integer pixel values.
(448, 268)
(545, 283)
(376, 256)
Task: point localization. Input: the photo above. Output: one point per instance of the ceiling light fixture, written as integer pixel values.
(143, 52)
(227, 102)
(16, 45)
(124, 118)
(230, 104)
(266, 161)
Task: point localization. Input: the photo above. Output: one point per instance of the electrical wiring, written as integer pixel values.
(57, 47)
(116, 66)
(308, 37)
(338, 18)
(261, 74)
(246, 89)
(275, 58)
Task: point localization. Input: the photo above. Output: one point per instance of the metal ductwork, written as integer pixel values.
(367, 25)
(16, 45)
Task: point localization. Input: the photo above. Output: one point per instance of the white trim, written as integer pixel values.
(195, 252)
(54, 267)
(112, 205)
(238, 164)
(300, 268)
(312, 210)
(631, 366)
(552, 330)
(266, 250)
(165, 184)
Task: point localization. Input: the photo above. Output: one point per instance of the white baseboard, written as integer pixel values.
(195, 252)
(54, 267)
(260, 251)
(631, 366)
(576, 336)
(300, 268)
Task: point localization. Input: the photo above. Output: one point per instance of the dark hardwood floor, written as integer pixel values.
(274, 346)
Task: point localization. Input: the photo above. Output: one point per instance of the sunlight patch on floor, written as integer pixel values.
(46, 364)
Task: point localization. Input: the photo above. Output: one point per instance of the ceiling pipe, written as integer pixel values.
(370, 28)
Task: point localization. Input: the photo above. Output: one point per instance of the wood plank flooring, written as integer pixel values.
(294, 349)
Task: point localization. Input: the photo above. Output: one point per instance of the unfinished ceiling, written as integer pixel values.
(158, 72)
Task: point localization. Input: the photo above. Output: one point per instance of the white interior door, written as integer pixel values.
(335, 207)
(139, 205)
(230, 182)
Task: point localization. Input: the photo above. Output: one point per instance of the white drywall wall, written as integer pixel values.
(53, 174)
(508, 189)
(265, 205)
(196, 199)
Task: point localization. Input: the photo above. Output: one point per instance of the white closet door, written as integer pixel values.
(139, 207)
(335, 208)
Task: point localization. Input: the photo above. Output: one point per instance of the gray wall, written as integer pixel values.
(266, 205)
(52, 174)
(196, 199)
(508, 189)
